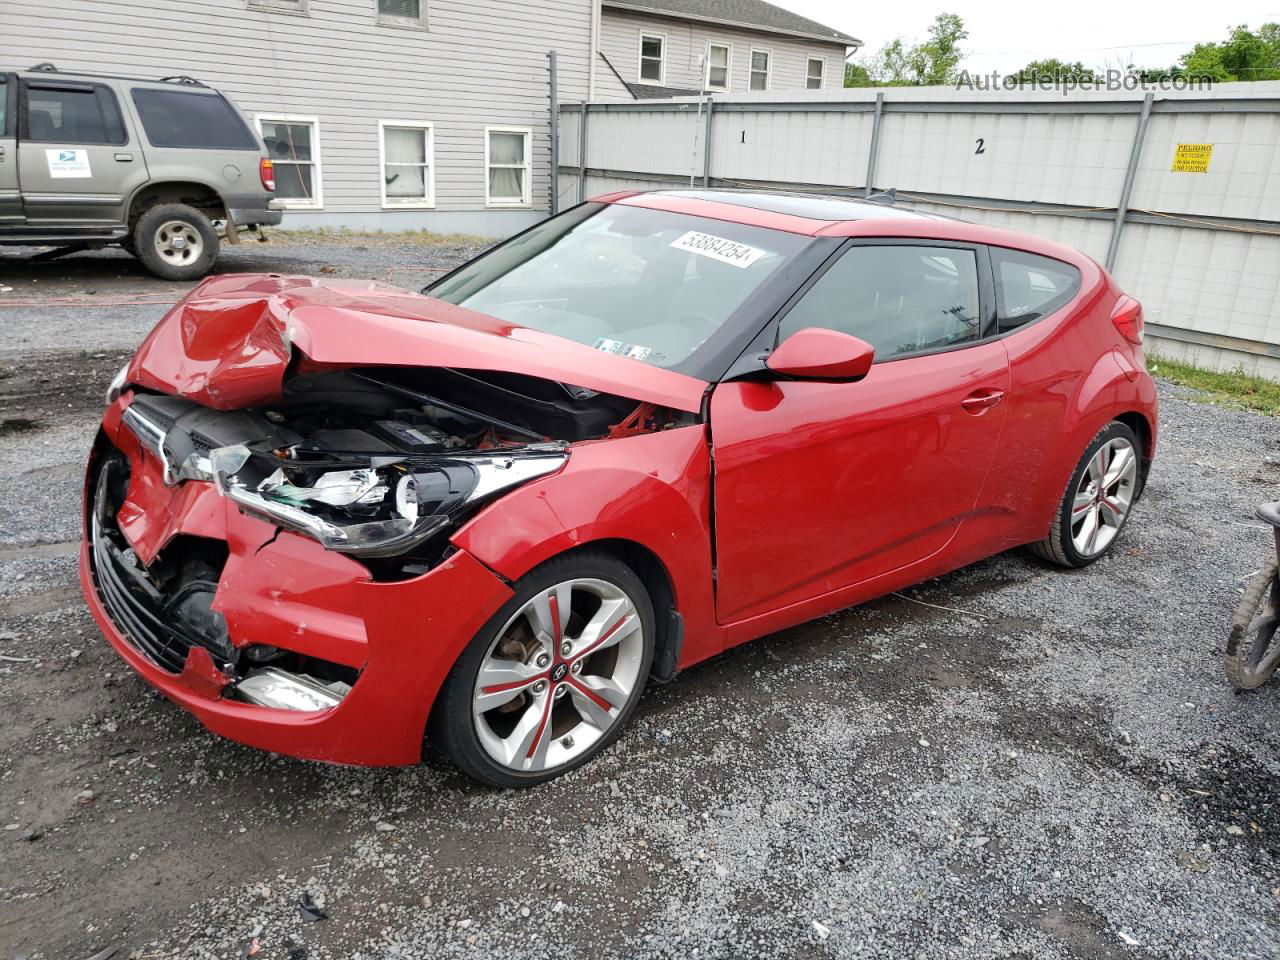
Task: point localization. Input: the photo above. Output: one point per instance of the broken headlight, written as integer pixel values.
(380, 507)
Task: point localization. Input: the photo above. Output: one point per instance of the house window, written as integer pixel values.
(718, 60)
(408, 169)
(653, 50)
(402, 13)
(760, 69)
(293, 144)
(280, 6)
(815, 73)
(508, 164)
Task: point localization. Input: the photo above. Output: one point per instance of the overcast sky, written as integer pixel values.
(1006, 36)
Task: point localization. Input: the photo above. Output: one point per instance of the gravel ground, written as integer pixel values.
(1040, 764)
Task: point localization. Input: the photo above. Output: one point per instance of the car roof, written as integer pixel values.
(818, 215)
(810, 206)
(806, 213)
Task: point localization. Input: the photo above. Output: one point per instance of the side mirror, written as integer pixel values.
(817, 354)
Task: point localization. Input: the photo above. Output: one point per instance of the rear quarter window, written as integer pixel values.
(1029, 287)
(183, 118)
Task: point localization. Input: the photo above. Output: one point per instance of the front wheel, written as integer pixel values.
(1252, 653)
(175, 242)
(1097, 501)
(552, 678)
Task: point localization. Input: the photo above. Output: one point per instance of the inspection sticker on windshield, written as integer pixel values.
(718, 248)
(631, 350)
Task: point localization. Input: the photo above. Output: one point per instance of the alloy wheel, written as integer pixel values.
(178, 242)
(558, 675)
(1104, 496)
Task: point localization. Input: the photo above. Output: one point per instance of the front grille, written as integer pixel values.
(149, 619)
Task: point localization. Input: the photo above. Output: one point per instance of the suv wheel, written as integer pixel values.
(175, 242)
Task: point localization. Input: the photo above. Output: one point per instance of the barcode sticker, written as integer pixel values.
(718, 248)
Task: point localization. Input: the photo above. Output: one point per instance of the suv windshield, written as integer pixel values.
(646, 284)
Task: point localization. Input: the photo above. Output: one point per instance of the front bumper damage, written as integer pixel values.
(393, 642)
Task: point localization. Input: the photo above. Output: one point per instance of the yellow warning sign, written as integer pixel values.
(1192, 157)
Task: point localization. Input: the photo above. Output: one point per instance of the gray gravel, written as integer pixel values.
(1054, 767)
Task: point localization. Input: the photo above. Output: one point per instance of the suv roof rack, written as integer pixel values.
(181, 78)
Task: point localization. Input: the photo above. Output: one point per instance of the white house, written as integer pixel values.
(423, 114)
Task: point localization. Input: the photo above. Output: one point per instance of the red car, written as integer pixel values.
(338, 520)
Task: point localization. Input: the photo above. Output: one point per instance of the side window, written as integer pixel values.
(4, 106)
(180, 118)
(1029, 287)
(73, 114)
(900, 299)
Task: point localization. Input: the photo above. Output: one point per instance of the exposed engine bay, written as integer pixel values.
(376, 463)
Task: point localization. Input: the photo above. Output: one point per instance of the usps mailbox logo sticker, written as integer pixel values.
(67, 164)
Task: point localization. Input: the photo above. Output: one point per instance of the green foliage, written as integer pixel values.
(1054, 69)
(1233, 388)
(931, 63)
(1245, 55)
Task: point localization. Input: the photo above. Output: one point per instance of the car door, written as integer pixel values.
(75, 163)
(820, 486)
(10, 198)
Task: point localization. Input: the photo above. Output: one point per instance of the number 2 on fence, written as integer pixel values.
(981, 146)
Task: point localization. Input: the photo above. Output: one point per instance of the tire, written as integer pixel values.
(175, 242)
(1251, 655)
(1109, 506)
(544, 704)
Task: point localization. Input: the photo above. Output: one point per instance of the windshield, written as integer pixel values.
(651, 285)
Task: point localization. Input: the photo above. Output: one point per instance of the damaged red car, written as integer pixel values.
(342, 521)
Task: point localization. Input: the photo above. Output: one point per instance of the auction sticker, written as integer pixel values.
(618, 348)
(718, 248)
(68, 164)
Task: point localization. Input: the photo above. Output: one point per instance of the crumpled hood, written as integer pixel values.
(227, 344)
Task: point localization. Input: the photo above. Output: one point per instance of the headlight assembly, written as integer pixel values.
(117, 385)
(380, 508)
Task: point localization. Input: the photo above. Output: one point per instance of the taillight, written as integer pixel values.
(1127, 316)
(267, 171)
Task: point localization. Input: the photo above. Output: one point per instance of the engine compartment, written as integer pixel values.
(379, 463)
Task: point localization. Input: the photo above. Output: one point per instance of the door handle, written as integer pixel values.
(981, 401)
(124, 157)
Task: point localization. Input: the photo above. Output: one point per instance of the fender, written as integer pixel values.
(1104, 393)
(161, 183)
(601, 494)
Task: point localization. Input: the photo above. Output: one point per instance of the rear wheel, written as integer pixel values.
(175, 242)
(1252, 651)
(1097, 501)
(552, 678)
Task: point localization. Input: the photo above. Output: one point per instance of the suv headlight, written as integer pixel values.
(379, 508)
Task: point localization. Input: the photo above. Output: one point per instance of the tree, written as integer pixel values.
(1245, 55)
(1053, 69)
(931, 63)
